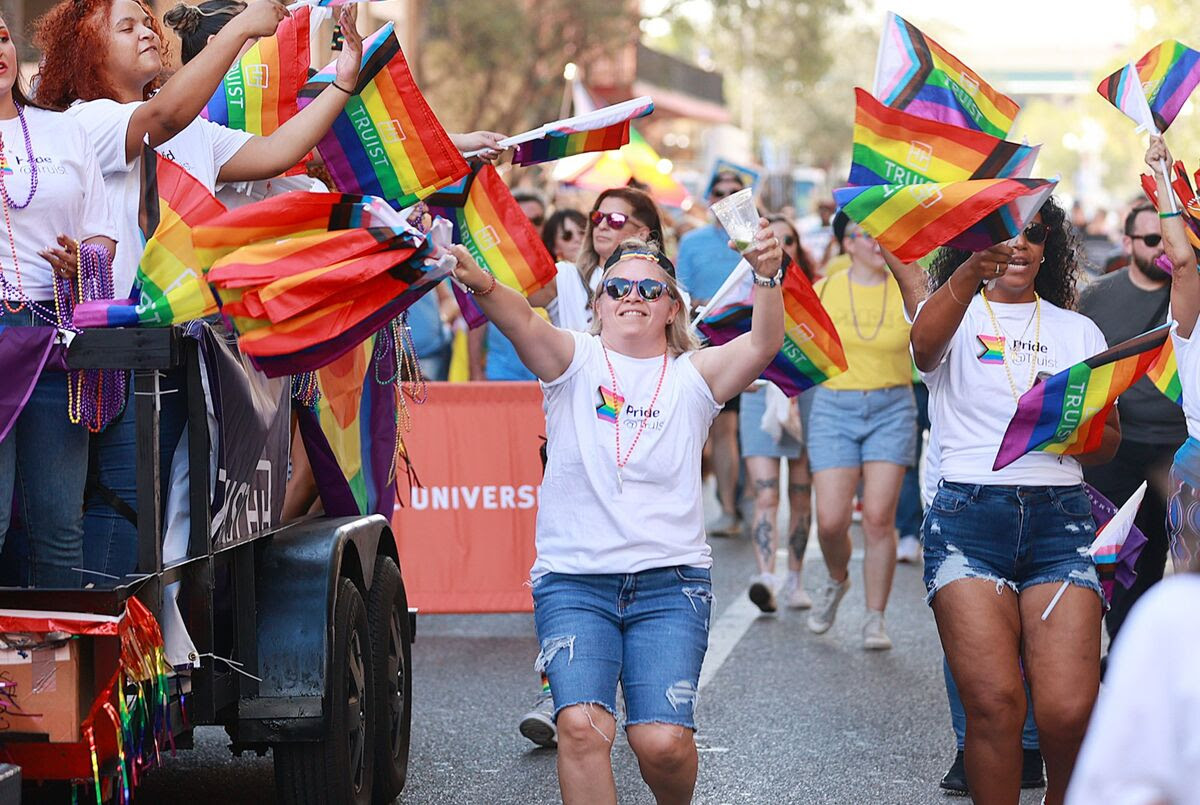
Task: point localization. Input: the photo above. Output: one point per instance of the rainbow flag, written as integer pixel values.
(898, 148)
(916, 74)
(812, 352)
(912, 220)
(169, 276)
(604, 129)
(1065, 414)
(1123, 89)
(488, 221)
(610, 404)
(1164, 373)
(1166, 76)
(387, 141)
(258, 94)
(1188, 203)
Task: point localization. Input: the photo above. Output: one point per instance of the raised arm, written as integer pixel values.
(1185, 281)
(729, 368)
(912, 279)
(544, 349)
(181, 99)
(943, 311)
(267, 157)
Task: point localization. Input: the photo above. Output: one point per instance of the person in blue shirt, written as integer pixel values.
(705, 262)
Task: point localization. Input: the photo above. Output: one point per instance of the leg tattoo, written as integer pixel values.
(798, 540)
(764, 537)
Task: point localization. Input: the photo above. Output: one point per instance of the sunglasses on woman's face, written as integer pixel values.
(569, 235)
(615, 220)
(788, 240)
(1150, 240)
(1037, 233)
(619, 288)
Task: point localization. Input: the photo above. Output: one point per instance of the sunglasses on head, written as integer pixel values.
(615, 220)
(1036, 233)
(648, 289)
(1150, 240)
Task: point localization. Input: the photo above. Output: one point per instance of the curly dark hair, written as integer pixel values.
(1058, 274)
(72, 38)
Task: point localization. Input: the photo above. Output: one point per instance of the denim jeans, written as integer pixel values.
(958, 716)
(110, 541)
(43, 467)
(909, 511)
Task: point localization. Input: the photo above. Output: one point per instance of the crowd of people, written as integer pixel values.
(638, 414)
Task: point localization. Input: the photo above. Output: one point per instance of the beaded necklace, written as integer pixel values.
(1037, 333)
(612, 375)
(854, 313)
(9, 203)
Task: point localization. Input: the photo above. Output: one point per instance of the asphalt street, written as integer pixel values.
(785, 716)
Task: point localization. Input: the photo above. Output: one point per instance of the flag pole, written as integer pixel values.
(1054, 600)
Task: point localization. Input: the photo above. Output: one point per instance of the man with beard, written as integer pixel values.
(1123, 304)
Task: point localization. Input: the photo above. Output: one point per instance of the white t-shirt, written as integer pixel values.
(1143, 742)
(70, 198)
(202, 149)
(970, 398)
(587, 522)
(239, 194)
(1187, 359)
(570, 309)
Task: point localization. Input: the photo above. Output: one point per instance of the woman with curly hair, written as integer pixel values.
(999, 543)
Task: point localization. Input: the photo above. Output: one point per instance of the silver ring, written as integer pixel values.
(997, 268)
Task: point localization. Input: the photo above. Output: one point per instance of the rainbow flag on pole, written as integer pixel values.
(912, 220)
(894, 147)
(1065, 414)
(1123, 89)
(1166, 76)
(386, 142)
(916, 74)
(604, 129)
(1164, 373)
(812, 352)
(258, 94)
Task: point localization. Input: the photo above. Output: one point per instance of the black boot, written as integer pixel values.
(1031, 769)
(955, 781)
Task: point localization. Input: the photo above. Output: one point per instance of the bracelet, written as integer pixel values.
(339, 86)
(1170, 214)
(950, 288)
(768, 282)
(491, 287)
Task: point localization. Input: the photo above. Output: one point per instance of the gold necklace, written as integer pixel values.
(854, 313)
(1037, 339)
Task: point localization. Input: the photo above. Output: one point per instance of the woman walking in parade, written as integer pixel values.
(58, 231)
(999, 544)
(621, 584)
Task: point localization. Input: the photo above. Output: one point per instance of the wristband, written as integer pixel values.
(1170, 214)
(339, 86)
(768, 282)
(950, 288)
(491, 287)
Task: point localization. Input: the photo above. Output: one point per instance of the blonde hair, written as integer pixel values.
(681, 337)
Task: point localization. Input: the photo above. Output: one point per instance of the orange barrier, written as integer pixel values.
(466, 536)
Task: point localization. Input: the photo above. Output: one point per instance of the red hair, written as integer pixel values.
(73, 41)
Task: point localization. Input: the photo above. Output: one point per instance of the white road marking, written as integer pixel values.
(724, 634)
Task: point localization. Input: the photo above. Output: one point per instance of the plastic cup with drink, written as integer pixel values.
(739, 217)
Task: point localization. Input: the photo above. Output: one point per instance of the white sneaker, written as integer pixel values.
(826, 605)
(908, 549)
(762, 592)
(875, 637)
(538, 724)
(796, 596)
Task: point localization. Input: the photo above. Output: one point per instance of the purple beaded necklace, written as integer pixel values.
(33, 172)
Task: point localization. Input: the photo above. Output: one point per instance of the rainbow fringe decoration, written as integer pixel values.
(386, 142)
(604, 129)
(812, 352)
(1065, 414)
(1162, 80)
(916, 74)
(897, 148)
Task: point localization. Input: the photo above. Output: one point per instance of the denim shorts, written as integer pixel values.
(850, 428)
(757, 442)
(1014, 536)
(646, 630)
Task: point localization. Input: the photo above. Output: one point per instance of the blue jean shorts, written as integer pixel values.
(1014, 536)
(850, 428)
(647, 630)
(757, 442)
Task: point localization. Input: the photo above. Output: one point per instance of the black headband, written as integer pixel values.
(653, 256)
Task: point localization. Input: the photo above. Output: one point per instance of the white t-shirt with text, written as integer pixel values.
(202, 149)
(70, 198)
(971, 400)
(588, 522)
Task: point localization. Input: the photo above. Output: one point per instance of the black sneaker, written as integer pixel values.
(1031, 769)
(955, 781)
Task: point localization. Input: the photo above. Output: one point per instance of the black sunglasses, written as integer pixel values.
(648, 289)
(1150, 240)
(788, 240)
(1036, 233)
(538, 220)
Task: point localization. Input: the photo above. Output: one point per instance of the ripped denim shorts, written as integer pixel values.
(647, 630)
(1016, 536)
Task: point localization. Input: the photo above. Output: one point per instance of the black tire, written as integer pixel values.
(338, 769)
(391, 640)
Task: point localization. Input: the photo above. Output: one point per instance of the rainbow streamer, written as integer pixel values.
(387, 141)
(610, 405)
(916, 74)
(1165, 76)
(1065, 414)
(812, 351)
(604, 129)
(258, 94)
(898, 148)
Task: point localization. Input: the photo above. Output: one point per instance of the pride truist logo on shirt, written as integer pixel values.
(611, 405)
